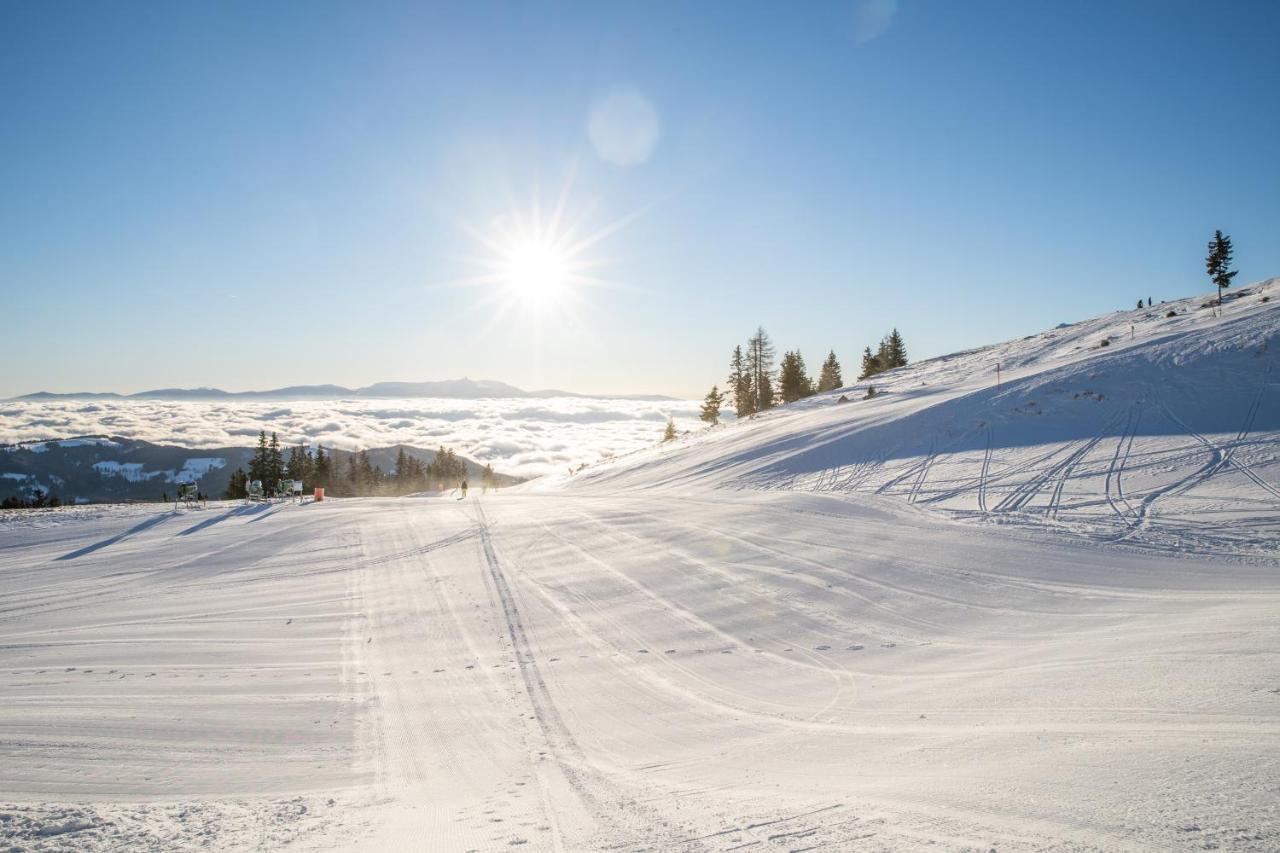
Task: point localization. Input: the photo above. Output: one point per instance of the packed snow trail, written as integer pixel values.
(643, 672)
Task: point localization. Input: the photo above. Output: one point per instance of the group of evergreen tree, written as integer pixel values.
(38, 500)
(891, 353)
(358, 477)
(793, 381)
(751, 382)
(267, 464)
(751, 375)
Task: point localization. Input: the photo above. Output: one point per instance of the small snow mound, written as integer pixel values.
(64, 827)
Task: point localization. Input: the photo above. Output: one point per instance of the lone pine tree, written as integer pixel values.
(1218, 262)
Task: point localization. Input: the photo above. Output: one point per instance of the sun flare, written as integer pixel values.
(536, 269)
(537, 266)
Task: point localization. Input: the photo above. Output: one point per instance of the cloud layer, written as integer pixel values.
(519, 436)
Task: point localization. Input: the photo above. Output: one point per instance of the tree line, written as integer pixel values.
(755, 385)
(357, 477)
(38, 500)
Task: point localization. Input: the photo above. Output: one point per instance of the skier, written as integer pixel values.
(464, 489)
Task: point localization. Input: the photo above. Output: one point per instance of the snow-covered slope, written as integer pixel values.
(783, 635)
(1167, 436)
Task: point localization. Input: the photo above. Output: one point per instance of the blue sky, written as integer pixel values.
(254, 195)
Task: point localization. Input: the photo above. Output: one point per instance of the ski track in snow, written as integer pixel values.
(561, 672)
(1041, 618)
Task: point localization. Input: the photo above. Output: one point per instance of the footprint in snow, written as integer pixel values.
(856, 647)
(887, 645)
(670, 652)
(822, 648)
(642, 651)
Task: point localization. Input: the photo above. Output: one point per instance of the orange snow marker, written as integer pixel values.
(319, 493)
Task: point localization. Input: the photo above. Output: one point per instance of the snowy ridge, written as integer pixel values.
(1167, 436)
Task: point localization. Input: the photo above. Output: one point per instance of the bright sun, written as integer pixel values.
(536, 270)
(537, 265)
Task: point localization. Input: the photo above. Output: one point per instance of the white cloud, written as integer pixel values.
(519, 436)
(624, 128)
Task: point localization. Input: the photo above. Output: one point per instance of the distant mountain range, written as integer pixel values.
(95, 469)
(461, 389)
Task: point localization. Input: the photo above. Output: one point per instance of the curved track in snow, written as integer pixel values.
(557, 672)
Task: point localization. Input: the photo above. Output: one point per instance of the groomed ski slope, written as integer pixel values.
(734, 641)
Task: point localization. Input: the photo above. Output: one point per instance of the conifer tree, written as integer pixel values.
(403, 472)
(322, 472)
(870, 365)
(365, 473)
(830, 379)
(793, 380)
(488, 479)
(670, 433)
(711, 406)
(238, 487)
(1218, 263)
(275, 464)
(353, 474)
(299, 466)
(260, 464)
(740, 384)
(760, 355)
(896, 350)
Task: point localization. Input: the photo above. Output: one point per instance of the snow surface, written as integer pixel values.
(733, 641)
(134, 472)
(42, 446)
(1168, 437)
(193, 468)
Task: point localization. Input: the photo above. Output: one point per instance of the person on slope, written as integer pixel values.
(463, 486)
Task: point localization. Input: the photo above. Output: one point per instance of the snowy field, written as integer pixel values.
(1037, 618)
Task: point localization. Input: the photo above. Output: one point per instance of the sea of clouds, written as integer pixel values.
(525, 437)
